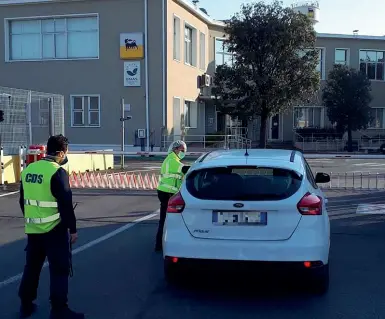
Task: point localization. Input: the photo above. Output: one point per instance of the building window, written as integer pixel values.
(54, 38)
(321, 63)
(202, 47)
(308, 117)
(85, 110)
(188, 45)
(341, 56)
(190, 114)
(378, 118)
(222, 55)
(176, 35)
(372, 64)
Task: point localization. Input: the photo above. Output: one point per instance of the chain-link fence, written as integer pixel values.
(28, 117)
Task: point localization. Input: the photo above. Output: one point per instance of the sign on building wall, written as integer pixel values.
(131, 46)
(310, 12)
(132, 73)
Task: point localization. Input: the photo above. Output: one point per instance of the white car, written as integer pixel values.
(256, 205)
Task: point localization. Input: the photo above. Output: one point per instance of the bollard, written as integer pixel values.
(376, 180)
(331, 179)
(346, 180)
(353, 180)
(369, 177)
(361, 179)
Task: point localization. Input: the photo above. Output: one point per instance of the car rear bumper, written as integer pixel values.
(302, 246)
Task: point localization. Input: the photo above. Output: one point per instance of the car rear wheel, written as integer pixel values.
(171, 272)
(320, 281)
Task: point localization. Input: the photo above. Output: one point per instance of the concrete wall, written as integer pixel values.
(76, 163)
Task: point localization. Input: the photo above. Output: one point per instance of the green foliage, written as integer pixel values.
(347, 98)
(274, 64)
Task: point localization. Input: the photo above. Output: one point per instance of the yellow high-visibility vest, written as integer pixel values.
(171, 174)
(41, 212)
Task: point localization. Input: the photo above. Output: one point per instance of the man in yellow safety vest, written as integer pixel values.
(171, 176)
(46, 202)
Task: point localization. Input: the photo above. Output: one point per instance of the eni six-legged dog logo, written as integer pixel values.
(130, 44)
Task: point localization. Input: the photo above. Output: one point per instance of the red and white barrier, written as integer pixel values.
(149, 181)
(122, 180)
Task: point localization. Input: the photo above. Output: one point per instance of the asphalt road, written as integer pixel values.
(121, 277)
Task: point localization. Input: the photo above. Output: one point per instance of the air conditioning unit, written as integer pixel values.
(205, 80)
(141, 133)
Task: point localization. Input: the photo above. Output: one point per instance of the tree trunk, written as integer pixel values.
(263, 131)
(350, 139)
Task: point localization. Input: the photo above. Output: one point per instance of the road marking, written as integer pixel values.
(8, 194)
(371, 209)
(369, 164)
(88, 245)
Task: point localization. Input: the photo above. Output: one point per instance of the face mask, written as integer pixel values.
(181, 155)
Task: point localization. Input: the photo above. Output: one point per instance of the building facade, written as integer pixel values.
(159, 56)
(365, 53)
(95, 53)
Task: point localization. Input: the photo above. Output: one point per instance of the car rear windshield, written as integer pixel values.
(243, 183)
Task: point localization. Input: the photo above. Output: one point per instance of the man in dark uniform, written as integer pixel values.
(46, 202)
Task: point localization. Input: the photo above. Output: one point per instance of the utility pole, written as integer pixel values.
(123, 119)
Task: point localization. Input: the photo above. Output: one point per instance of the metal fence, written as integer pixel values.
(28, 116)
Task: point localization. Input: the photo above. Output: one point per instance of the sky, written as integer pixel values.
(336, 16)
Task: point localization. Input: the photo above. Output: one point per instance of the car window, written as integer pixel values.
(243, 183)
(310, 176)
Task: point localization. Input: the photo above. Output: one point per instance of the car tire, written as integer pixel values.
(320, 281)
(171, 273)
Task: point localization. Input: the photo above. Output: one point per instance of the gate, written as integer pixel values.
(28, 116)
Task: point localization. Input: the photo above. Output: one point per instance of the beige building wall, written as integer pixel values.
(182, 78)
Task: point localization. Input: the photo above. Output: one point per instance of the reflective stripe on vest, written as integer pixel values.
(173, 188)
(171, 176)
(32, 202)
(44, 220)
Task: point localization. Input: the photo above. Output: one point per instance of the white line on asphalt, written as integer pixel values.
(8, 194)
(88, 245)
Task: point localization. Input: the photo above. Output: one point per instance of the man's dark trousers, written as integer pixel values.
(55, 246)
(163, 198)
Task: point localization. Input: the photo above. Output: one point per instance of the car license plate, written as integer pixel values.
(239, 218)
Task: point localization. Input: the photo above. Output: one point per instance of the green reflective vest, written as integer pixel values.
(40, 206)
(171, 174)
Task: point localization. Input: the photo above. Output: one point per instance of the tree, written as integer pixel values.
(274, 65)
(347, 98)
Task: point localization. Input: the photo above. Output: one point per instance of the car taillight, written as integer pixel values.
(310, 204)
(176, 204)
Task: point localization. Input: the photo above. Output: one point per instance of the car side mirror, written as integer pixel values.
(322, 178)
(185, 168)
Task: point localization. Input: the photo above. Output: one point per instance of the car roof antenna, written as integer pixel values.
(246, 152)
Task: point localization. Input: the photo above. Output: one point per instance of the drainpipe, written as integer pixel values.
(164, 39)
(146, 75)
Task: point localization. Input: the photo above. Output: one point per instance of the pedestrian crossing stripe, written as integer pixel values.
(371, 209)
(369, 164)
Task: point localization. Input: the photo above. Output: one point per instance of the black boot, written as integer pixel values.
(158, 247)
(65, 313)
(27, 310)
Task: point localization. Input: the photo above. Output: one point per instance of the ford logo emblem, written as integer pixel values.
(238, 205)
